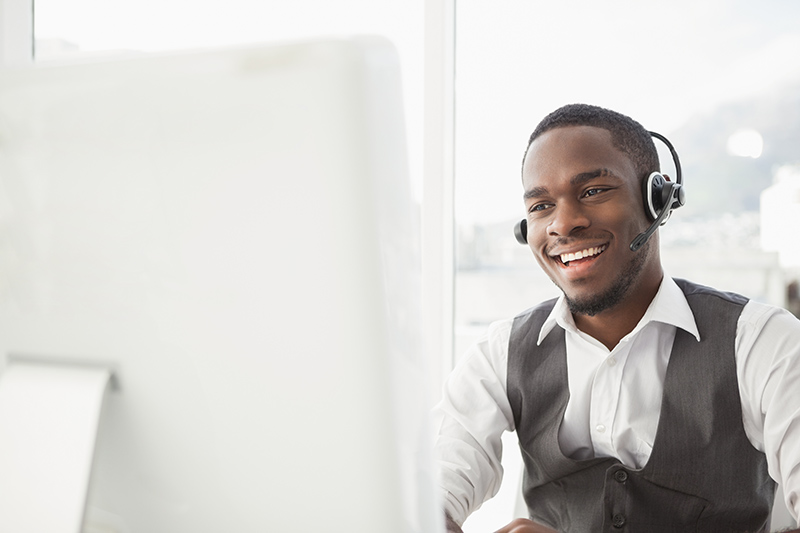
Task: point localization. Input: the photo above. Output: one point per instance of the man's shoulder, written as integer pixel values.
(694, 290)
(751, 315)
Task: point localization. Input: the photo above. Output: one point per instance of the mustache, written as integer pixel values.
(571, 240)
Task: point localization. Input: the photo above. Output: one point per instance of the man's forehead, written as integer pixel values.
(573, 133)
(578, 148)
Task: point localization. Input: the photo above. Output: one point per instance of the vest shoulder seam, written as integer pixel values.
(694, 289)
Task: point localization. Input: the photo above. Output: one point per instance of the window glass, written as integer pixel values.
(95, 26)
(720, 79)
(112, 28)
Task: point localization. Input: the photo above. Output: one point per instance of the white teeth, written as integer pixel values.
(566, 258)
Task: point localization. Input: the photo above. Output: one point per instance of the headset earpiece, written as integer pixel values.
(656, 195)
(521, 231)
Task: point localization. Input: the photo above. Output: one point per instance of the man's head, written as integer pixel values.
(627, 135)
(582, 177)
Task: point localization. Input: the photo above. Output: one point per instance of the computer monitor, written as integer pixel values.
(231, 235)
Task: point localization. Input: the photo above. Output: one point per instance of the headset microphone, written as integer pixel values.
(660, 196)
(675, 199)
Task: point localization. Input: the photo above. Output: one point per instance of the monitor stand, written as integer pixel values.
(49, 415)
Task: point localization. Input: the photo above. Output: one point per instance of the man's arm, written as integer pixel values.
(768, 363)
(471, 418)
(523, 525)
(450, 524)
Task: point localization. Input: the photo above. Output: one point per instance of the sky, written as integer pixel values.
(660, 63)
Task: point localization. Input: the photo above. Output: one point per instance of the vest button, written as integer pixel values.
(618, 521)
(621, 476)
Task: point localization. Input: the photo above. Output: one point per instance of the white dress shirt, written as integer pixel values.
(615, 397)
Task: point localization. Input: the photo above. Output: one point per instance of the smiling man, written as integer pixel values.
(641, 403)
(580, 194)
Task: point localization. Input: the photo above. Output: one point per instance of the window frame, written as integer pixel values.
(438, 204)
(16, 32)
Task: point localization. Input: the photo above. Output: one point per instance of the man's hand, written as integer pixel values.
(523, 525)
(520, 525)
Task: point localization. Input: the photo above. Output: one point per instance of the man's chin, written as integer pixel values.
(597, 302)
(586, 307)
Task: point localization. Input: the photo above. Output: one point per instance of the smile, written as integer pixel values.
(582, 254)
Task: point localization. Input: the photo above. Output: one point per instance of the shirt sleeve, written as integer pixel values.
(768, 364)
(471, 418)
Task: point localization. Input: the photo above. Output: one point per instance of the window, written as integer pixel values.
(97, 29)
(719, 79)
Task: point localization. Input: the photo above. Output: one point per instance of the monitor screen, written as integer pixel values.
(231, 234)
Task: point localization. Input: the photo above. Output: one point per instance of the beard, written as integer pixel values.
(596, 303)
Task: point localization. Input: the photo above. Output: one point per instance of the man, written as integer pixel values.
(641, 403)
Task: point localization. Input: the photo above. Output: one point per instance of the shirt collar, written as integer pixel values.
(669, 307)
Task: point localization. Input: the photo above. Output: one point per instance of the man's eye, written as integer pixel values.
(594, 192)
(537, 208)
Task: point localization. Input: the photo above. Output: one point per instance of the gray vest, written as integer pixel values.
(703, 473)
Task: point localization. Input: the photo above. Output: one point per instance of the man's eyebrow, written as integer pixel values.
(576, 180)
(583, 177)
(535, 192)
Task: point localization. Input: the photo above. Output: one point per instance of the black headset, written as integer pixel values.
(661, 197)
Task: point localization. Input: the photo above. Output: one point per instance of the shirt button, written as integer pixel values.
(600, 428)
(618, 521)
(621, 476)
(611, 361)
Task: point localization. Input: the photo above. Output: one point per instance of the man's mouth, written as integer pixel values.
(582, 255)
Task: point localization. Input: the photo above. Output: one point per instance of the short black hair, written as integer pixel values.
(627, 135)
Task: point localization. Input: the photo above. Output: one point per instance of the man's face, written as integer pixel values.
(584, 207)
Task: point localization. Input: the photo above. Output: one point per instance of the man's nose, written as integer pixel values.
(568, 217)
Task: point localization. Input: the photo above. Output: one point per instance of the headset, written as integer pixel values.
(661, 197)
